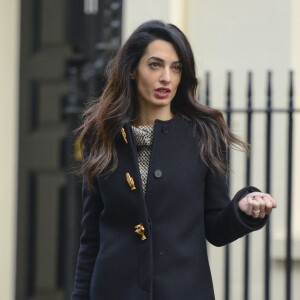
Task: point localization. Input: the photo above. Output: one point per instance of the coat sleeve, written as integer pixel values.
(224, 222)
(89, 241)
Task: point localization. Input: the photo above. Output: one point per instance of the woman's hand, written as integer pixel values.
(257, 205)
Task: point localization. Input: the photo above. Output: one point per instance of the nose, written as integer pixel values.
(165, 76)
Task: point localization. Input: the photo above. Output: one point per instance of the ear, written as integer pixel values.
(132, 75)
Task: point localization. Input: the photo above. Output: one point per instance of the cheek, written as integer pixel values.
(177, 82)
(141, 85)
(144, 84)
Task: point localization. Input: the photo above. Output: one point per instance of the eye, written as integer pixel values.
(177, 68)
(154, 65)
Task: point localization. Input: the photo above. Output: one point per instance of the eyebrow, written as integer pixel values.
(161, 60)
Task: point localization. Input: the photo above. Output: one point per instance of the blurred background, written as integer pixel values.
(52, 59)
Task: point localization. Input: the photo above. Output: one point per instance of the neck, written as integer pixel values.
(149, 117)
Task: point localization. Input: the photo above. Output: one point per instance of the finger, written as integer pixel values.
(268, 205)
(269, 197)
(243, 205)
(257, 194)
(246, 204)
(262, 207)
(255, 207)
(252, 205)
(264, 196)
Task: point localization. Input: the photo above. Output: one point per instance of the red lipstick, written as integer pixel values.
(162, 92)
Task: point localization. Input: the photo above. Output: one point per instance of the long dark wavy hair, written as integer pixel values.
(117, 105)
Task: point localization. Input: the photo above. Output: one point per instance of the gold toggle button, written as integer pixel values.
(139, 229)
(124, 135)
(130, 181)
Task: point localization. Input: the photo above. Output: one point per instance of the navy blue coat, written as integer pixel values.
(185, 205)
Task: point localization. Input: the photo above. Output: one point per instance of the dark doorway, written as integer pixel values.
(64, 48)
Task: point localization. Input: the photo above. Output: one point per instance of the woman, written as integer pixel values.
(154, 184)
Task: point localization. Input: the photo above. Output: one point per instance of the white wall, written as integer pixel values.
(295, 65)
(136, 11)
(242, 36)
(9, 53)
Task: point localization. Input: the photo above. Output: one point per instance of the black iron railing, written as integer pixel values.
(269, 111)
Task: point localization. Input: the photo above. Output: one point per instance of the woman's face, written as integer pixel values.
(157, 76)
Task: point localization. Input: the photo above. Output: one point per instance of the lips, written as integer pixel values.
(162, 92)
